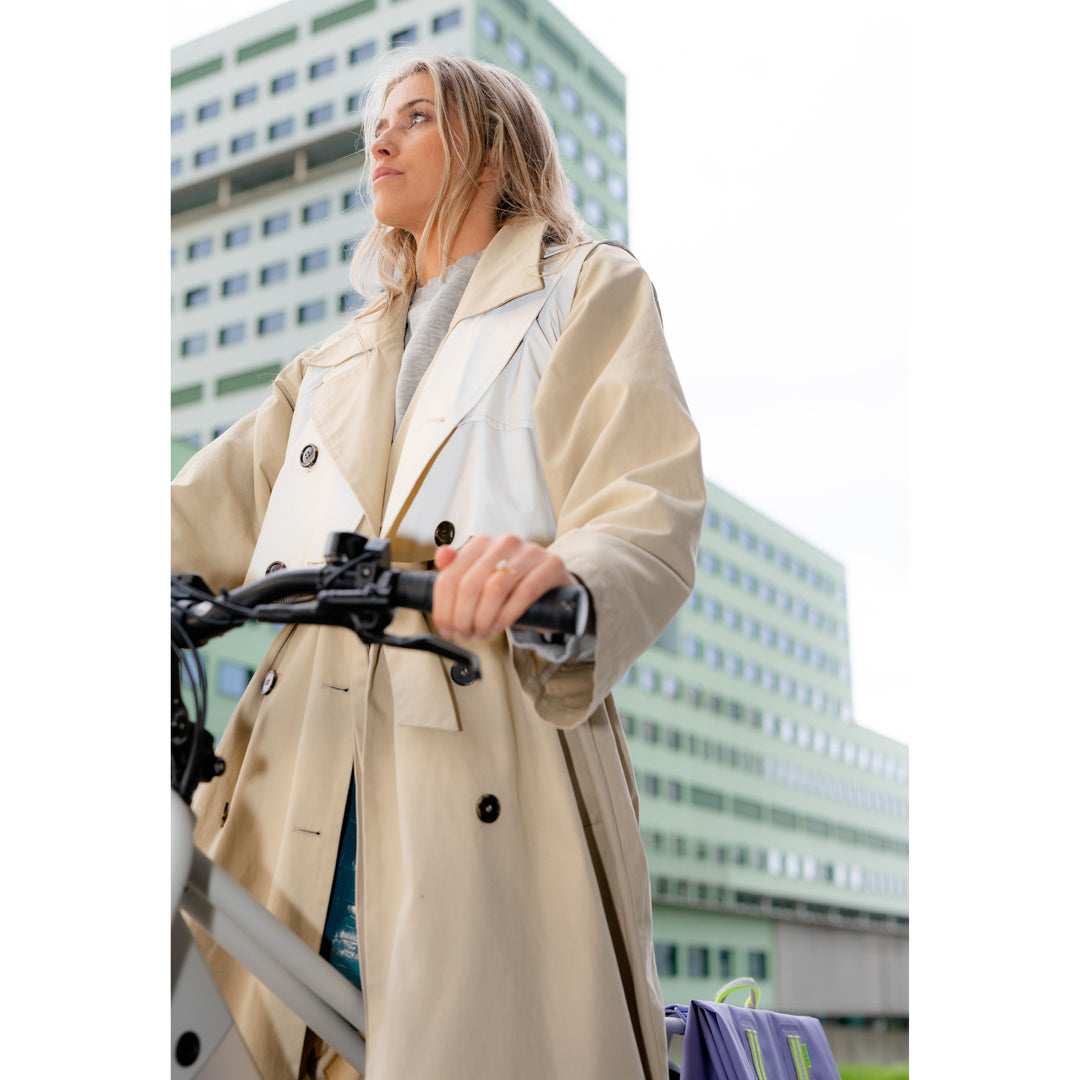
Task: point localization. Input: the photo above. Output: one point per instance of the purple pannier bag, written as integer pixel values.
(726, 1042)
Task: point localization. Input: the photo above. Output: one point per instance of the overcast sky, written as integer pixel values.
(766, 178)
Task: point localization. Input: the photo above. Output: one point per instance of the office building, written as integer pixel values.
(266, 157)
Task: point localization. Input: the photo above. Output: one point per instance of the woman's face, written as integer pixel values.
(408, 156)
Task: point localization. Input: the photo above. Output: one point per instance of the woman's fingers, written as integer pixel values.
(488, 583)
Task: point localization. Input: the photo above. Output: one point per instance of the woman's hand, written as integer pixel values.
(486, 585)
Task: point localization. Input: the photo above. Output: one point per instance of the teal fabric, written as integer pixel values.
(339, 944)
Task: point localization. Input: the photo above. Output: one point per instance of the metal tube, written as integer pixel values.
(277, 939)
(284, 984)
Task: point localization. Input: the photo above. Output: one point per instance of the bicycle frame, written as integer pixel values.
(205, 1040)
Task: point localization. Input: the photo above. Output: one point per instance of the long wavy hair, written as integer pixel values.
(497, 121)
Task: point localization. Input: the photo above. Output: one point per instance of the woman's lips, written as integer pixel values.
(383, 171)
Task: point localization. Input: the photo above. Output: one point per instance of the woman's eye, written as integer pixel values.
(416, 116)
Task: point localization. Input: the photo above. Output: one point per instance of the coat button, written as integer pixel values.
(268, 682)
(308, 455)
(444, 533)
(275, 565)
(487, 809)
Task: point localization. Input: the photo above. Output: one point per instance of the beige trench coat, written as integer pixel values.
(516, 947)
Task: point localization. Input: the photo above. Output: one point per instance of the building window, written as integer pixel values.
(314, 260)
(726, 967)
(692, 647)
(177, 165)
(489, 26)
(233, 286)
(209, 110)
(243, 142)
(569, 146)
(271, 323)
(316, 211)
(206, 156)
(697, 962)
(616, 186)
(670, 686)
(665, 958)
(712, 655)
(362, 52)
(198, 249)
(197, 296)
(192, 346)
(348, 302)
(446, 21)
(651, 784)
(274, 272)
(543, 75)
(594, 213)
(355, 102)
(674, 790)
(233, 678)
(238, 236)
(594, 167)
(347, 252)
(352, 200)
(650, 731)
(711, 608)
(311, 312)
(616, 143)
(177, 122)
(647, 679)
(244, 97)
(321, 68)
(618, 231)
(281, 129)
(407, 36)
(283, 82)
(276, 223)
(627, 720)
(594, 124)
(517, 52)
(569, 98)
(709, 562)
(231, 334)
(674, 738)
(574, 192)
(757, 965)
(320, 115)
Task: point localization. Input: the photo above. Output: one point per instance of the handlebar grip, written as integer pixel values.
(562, 610)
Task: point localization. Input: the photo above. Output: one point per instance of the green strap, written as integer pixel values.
(755, 1053)
(736, 984)
(800, 1055)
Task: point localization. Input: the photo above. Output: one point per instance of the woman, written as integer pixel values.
(506, 409)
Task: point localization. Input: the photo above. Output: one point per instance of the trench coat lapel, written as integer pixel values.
(471, 357)
(359, 440)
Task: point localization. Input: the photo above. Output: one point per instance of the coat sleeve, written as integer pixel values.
(622, 461)
(219, 497)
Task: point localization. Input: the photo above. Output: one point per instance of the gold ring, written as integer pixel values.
(502, 564)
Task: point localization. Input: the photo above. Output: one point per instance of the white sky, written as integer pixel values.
(766, 186)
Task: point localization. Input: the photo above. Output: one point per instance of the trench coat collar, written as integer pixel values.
(511, 266)
(354, 413)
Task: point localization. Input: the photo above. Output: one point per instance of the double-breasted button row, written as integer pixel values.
(487, 809)
(277, 564)
(444, 533)
(268, 682)
(309, 455)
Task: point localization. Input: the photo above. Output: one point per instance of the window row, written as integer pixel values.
(735, 666)
(314, 71)
(570, 149)
(270, 274)
(271, 323)
(788, 864)
(271, 225)
(776, 770)
(711, 563)
(801, 570)
(708, 962)
(707, 798)
(755, 630)
(278, 129)
(544, 79)
(820, 740)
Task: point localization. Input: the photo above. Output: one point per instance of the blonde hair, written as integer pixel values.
(498, 123)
